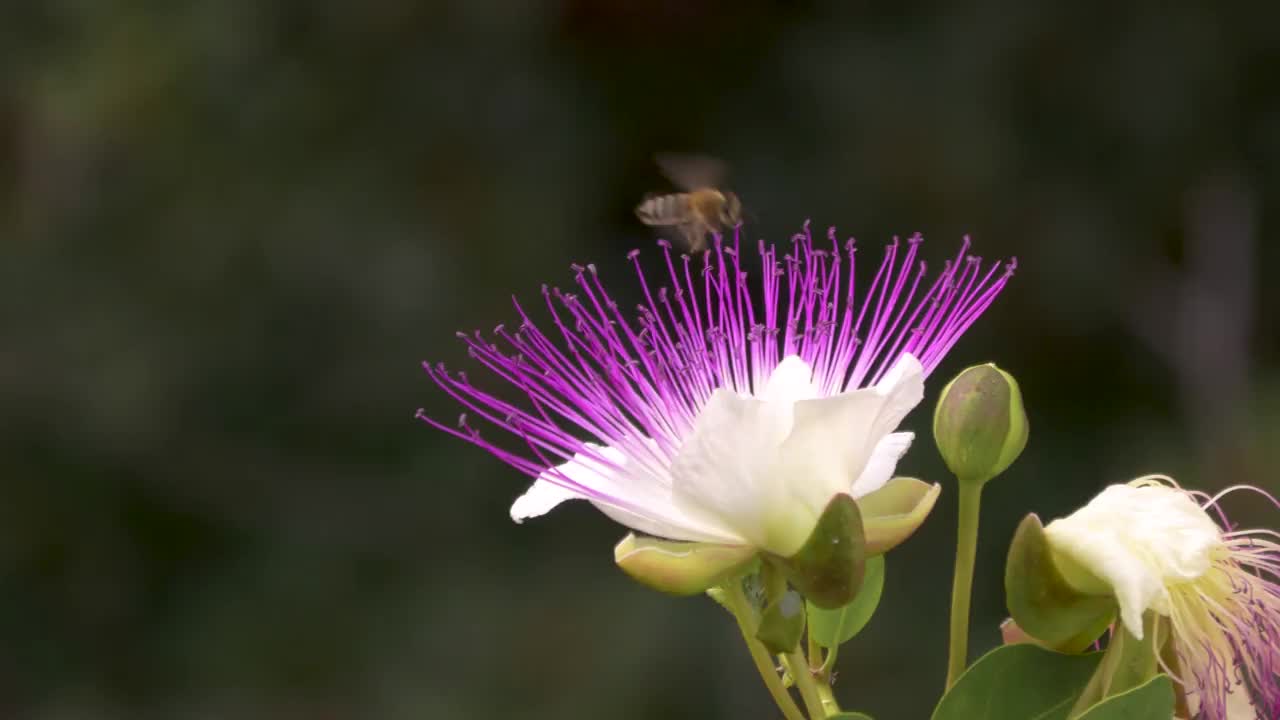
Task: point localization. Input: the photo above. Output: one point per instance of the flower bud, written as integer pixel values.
(980, 425)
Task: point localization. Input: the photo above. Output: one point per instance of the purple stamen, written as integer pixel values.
(637, 384)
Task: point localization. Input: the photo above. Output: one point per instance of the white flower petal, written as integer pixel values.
(829, 444)
(833, 439)
(903, 389)
(722, 469)
(791, 380)
(769, 466)
(1138, 540)
(584, 470)
(541, 498)
(622, 492)
(883, 461)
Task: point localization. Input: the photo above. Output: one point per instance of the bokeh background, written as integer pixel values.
(230, 231)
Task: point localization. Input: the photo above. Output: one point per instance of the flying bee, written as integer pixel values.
(702, 208)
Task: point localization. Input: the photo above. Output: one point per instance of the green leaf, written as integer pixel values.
(828, 568)
(782, 623)
(680, 568)
(1043, 604)
(830, 628)
(849, 716)
(1152, 701)
(1018, 682)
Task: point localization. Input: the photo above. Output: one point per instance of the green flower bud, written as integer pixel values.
(980, 425)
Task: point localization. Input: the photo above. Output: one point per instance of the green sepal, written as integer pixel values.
(680, 568)
(1041, 601)
(1153, 700)
(782, 623)
(1016, 682)
(891, 514)
(831, 628)
(828, 568)
(717, 593)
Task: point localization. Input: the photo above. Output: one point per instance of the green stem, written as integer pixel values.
(803, 677)
(741, 609)
(1127, 663)
(829, 703)
(821, 669)
(815, 651)
(829, 665)
(962, 588)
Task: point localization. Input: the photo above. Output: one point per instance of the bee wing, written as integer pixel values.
(692, 172)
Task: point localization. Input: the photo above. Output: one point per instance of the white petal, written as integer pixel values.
(833, 439)
(767, 467)
(829, 444)
(790, 381)
(548, 490)
(672, 524)
(622, 491)
(539, 499)
(903, 389)
(1139, 540)
(883, 461)
(722, 470)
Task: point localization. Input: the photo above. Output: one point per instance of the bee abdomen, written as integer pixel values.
(664, 209)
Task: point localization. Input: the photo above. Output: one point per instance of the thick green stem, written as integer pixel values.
(815, 651)
(741, 609)
(804, 681)
(962, 587)
(1127, 663)
(821, 670)
(829, 703)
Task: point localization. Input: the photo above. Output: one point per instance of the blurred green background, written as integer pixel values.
(230, 231)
